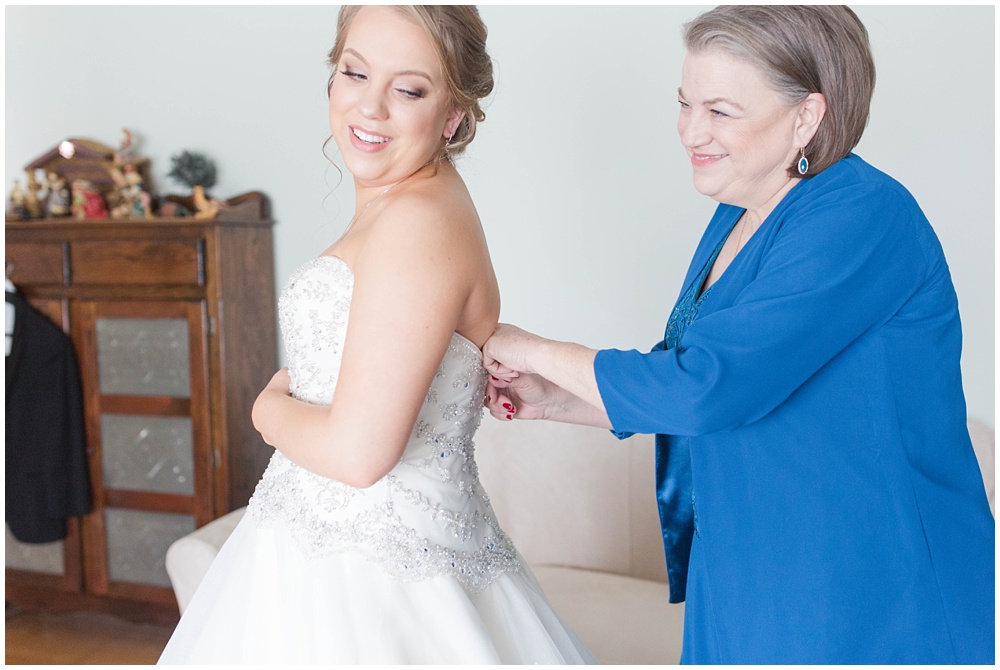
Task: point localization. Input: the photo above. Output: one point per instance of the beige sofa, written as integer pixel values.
(580, 506)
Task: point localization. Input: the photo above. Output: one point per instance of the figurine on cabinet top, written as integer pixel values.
(126, 151)
(207, 207)
(134, 202)
(143, 206)
(87, 201)
(32, 200)
(58, 202)
(18, 209)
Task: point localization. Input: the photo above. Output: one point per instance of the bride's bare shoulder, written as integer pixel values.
(426, 216)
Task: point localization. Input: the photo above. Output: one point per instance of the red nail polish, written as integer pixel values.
(489, 399)
(509, 416)
(507, 406)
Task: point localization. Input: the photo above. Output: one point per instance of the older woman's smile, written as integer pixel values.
(699, 160)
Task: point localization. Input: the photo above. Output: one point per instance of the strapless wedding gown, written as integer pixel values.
(414, 569)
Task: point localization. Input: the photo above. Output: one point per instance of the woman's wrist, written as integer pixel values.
(568, 365)
(537, 352)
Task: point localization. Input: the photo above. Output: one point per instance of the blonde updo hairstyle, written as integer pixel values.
(801, 50)
(459, 37)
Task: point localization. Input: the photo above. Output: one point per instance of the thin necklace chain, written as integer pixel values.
(739, 242)
(388, 188)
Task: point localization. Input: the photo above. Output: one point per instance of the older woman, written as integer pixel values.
(819, 496)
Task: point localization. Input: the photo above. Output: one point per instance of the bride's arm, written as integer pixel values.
(411, 282)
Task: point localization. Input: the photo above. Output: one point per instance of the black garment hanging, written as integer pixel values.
(9, 317)
(46, 459)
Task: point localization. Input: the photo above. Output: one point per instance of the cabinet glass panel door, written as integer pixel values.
(148, 387)
(46, 558)
(138, 543)
(143, 357)
(147, 453)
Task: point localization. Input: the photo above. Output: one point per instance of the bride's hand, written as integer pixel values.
(278, 385)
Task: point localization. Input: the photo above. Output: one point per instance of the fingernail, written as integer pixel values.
(507, 406)
(489, 399)
(509, 416)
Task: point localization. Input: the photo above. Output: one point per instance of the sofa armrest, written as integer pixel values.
(189, 557)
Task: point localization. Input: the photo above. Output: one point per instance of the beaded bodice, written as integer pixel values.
(429, 515)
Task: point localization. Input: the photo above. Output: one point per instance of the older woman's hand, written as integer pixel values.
(535, 378)
(526, 396)
(506, 353)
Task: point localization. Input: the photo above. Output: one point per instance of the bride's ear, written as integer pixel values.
(452, 123)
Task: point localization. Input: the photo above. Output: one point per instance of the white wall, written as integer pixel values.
(580, 180)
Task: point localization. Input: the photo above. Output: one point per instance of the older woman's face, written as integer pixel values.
(390, 108)
(738, 133)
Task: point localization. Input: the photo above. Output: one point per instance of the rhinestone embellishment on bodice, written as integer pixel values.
(430, 515)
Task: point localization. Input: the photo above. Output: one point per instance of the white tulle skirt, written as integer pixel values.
(263, 601)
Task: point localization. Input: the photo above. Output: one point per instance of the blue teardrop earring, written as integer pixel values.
(803, 164)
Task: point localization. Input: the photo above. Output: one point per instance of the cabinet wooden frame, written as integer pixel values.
(216, 275)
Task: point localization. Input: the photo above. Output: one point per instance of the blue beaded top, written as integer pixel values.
(686, 309)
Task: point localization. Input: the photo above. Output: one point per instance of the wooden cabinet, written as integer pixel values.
(173, 322)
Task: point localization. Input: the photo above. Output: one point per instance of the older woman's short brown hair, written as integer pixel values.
(801, 50)
(459, 36)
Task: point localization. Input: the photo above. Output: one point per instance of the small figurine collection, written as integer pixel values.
(84, 179)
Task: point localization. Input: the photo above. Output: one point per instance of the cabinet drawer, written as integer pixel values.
(35, 262)
(137, 262)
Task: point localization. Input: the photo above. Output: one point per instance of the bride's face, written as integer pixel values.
(390, 108)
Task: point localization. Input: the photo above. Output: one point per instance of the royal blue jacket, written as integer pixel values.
(819, 495)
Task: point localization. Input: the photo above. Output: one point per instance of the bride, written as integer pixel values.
(369, 538)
